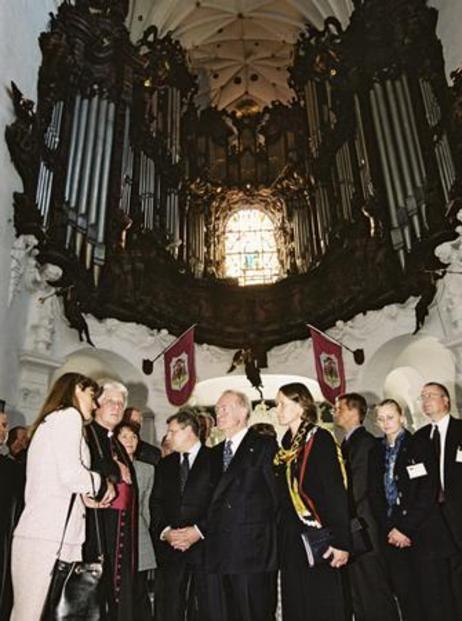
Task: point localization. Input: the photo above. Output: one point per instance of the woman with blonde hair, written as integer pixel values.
(404, 493)
(314, 525)
(57, 468)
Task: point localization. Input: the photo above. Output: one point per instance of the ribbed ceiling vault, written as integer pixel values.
(240, 49)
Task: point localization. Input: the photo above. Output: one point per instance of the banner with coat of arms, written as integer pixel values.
(329, 365)
(180, 369)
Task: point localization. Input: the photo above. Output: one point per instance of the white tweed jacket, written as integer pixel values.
(57, 466)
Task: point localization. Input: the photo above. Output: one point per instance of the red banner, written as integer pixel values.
(329, 365)
(180, 369)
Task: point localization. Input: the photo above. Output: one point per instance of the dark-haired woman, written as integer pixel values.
(313, 497)
(128, 434)
(57, 462)
(403, 484)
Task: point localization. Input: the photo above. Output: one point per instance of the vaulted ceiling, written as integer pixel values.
(240, 49)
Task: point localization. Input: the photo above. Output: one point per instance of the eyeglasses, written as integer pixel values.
(430, 395)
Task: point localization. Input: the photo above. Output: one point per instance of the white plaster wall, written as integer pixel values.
(449, 30)
(21, 21)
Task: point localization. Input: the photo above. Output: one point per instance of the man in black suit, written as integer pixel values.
(371, 595)
(445, 433)
(241, 555)
(12, 483)
(183, 487)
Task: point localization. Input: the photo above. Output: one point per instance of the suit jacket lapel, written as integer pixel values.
(237, 463)
(195, 471)
(176, 476)
(450, 450)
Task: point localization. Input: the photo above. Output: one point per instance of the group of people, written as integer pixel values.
(370, 529)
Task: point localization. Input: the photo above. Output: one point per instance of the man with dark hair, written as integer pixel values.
(445, 433)
(12, 482)
(371, 595)
(146, 452)
(241, 555)
(17, 443)
(183, 487)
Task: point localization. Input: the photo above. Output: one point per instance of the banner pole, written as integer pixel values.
(331, 338)
(172, 344)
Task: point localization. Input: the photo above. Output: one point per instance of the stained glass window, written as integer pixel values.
(250, 248)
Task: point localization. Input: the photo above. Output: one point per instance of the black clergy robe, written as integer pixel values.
(118, 526)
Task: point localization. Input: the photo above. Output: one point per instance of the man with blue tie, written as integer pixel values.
(241, 555)
(183, 487)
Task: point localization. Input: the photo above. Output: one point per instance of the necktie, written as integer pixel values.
(227, 454)
(184, 471)
(436, 441)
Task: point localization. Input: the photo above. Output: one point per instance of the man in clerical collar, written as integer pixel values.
(445, 433)
(108, 457)
(371, 595)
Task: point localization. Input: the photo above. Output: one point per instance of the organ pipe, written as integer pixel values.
(98, 163)
(109, 137)
(76, 169)
(415, 135)
(88, 163)
(72, 146)
(396, 233)
(410, 200)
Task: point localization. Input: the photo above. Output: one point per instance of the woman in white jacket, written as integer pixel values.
(57, 467)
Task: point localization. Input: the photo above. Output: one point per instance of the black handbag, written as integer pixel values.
(316, 542)
(74, 591)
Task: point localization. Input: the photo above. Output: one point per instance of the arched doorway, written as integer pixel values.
(104, 364)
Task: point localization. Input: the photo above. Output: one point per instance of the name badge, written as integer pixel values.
(459, 455)
(416, 470)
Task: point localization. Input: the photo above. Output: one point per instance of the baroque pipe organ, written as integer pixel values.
(128, 186)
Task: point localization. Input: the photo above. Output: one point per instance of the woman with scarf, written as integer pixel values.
(404, 488)
(314, 531)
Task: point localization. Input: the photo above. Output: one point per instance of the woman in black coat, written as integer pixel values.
(403, 484)
(312, 496)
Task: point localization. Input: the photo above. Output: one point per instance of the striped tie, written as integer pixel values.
(227, 454)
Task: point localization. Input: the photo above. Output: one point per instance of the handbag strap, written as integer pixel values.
(69, 511)
(99, 544)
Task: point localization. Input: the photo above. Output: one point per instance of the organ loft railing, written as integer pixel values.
(129, 188)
